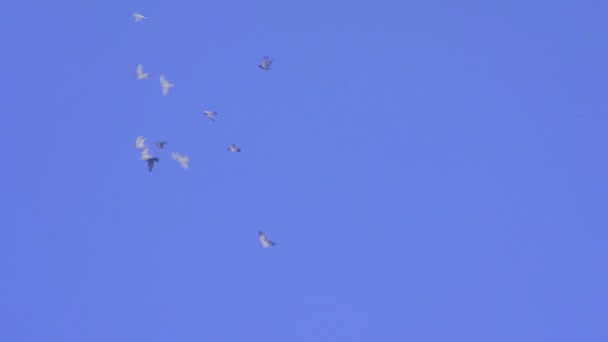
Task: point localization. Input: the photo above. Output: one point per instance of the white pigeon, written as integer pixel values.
(141, 75)
(211, 114)
(165, 84)
(139, 17)
(183, 160)
(264, 240)
(233, 148)
(140, 142)
(265, 65)
(145, 154)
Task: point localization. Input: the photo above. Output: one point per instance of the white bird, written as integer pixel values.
(141, 75)
(140, 142)
(233, 148)
(165, 85)
(211, 114)
(183, 160)
(139, 17)
(265, 65)
(145, 154)
(264, 240)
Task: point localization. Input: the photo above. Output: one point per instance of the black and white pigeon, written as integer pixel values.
(210, 114)
(161, 144)
(233, 148)
(151, 162)
(265, 65)
(264, 240)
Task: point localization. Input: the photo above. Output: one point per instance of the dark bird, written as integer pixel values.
(264, 240)
(151, 162)
(161, 144)
(265, 65)
(233, 148)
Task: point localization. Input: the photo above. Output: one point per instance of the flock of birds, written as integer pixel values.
(140, 141)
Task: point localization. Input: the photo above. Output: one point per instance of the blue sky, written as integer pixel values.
(429, 171)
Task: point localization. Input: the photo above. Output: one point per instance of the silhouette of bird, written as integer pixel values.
(151, 162)
(161, 144)
(166, 85)
(141, 75)
(210, 114)
(139, 17)
(266, 62)
(233, 148)
(264, 240)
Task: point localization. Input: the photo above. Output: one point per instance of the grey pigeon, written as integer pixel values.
(264, 240)
(210, 114)
(265, 65)
(233, 148)
(161, 144)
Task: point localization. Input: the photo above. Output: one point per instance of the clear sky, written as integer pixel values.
(429, 171)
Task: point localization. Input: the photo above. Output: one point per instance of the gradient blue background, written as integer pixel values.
(429, 171)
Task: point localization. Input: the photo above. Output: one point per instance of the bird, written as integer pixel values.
(264, 240)
(141, 75)
(233, 148)
(183, 160)
(151, 162)
(145, 153)
(211, 114)
(160, 144)
(165, 84)
(265, 65)
(140, 142)
(139, 17)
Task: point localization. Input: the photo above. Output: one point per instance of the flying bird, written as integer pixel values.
(141, 75)
(264, 240)
(233, 148)
(161, 144)
(140, 142)
(265, 65)
(151, 162)
(165, 84)
(145, 153)
(183, 160)
(210, 114)
(139, 17)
